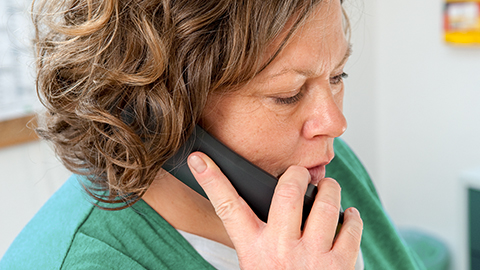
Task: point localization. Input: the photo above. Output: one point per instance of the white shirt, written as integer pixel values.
(225, 258)
(218, 255)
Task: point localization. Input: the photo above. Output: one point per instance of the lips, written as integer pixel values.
(317, 173)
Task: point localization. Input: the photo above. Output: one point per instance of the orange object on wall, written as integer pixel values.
(462, 22)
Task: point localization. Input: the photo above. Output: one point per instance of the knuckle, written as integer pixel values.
(226, 210)
(297, 171)
(356, 230)
(288, 190)
(211, 180)
(355, 233)
(332, 183)
(328, 207)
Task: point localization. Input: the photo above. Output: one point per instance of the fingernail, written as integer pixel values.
(353, 211)
(197, 164)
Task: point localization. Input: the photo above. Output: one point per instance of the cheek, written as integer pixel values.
(228, 118)
(252, 131)
(339, 98)
(271, 153)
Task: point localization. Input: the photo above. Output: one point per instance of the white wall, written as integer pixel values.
(30, 174)
(360, 98)
(416, 121)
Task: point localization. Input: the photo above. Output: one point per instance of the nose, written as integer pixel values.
(325, 118)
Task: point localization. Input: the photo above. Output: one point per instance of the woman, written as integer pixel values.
(125, 82)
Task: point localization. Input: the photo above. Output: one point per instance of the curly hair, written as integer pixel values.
(125, 81)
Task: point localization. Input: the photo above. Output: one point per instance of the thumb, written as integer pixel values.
(234, 212)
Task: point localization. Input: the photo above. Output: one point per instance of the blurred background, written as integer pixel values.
(413, 108)
(412, 104)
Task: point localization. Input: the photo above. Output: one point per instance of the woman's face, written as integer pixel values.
(290, 113)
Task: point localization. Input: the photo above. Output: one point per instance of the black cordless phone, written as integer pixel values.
(253, 184)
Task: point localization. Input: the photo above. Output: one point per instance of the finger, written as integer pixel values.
(347, 244)
(237, 217)
(321, 224)
(285, 215)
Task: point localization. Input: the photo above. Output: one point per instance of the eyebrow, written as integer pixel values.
(309, 73)
(348, 53)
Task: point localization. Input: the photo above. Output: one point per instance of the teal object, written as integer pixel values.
(433, 252)
(473, 225)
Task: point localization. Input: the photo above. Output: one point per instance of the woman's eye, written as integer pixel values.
(339, 78)
(289, 100)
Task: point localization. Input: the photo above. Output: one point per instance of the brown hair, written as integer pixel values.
(125, 81)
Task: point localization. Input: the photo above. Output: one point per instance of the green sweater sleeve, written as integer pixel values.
(69, 232)
(88, 253)
(45, 240)
(381, 245)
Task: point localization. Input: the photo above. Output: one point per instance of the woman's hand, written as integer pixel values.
(280, 243)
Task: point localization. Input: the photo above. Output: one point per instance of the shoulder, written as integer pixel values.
(347, 167)
(136, 237)
(69, 232)
(344, 156)
(382, 247)
(88, 252)
(45, 240)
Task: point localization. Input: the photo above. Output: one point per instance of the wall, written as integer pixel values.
(360, 97)
(30, 174)
(418, 126)
(17, 97)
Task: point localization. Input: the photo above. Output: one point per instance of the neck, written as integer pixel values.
(185, 209)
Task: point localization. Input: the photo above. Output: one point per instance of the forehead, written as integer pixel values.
(317, 46)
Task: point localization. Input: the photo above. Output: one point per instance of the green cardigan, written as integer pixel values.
(70, 233)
